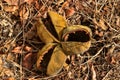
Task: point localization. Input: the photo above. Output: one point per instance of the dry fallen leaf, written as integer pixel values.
(101, 23)
(24, 12)
(70, 11)
(12, 2)
(10, 78)
(1, 52)
(10, 8)
(17, 50)
(65, 4)
(29, 60)
(27, 48)
(29, 1)
(115, 58)
(118, 21)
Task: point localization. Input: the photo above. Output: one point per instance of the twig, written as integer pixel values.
(96, 54)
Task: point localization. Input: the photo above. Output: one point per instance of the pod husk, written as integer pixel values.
(58, 21)
(56, 62)
(41, 54)
(73, 28)
(44, 34)
(81, 45)
(72, 40)
(71, 48)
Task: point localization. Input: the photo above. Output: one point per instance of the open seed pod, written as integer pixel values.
(50, 28)
(43, 32)
(50, 59)
(58, 21)
(77, 39)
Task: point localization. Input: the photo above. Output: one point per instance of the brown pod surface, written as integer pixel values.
(44, 34)
(50, 59)
(58, 22)
(77, 39)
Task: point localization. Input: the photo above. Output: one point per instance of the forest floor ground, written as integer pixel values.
(19, 42)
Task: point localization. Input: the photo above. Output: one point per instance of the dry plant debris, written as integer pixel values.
(20, 42)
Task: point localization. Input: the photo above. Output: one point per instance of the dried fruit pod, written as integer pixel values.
(58, 21)
(44, 34)
(41, 54)
(77, 39)
(50, 59)
(56, 62)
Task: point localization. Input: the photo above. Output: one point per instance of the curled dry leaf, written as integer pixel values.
(17, 50)
(51, 59)
(12, 2)
(101, 23)
(10, 8)
(29, 60)
(77, 39)
(24, 12)
(70, 11)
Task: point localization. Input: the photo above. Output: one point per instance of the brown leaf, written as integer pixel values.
(70, 12)
(12, 2)
(17, 50)
(29, 60)
(118, 21)
(31, 33)
(24, 12)
(101, 23)
(1, 52)
(10, 8)
(29, 1)
(65, 4)
(110, 54)
(115, 58)
(10, 78)
(60, 1)
(27, 48)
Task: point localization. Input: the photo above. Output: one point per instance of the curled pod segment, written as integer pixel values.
(58, 22)
(77, 39)
(44, 33)
(50, 59)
